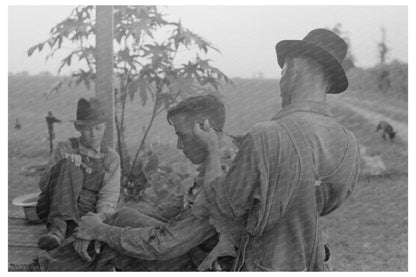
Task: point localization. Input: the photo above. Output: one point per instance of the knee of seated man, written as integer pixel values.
(65, 167)
(128, 217)
(66, 164)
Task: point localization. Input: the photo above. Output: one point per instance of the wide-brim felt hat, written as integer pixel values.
(325, 47)
(90, 112)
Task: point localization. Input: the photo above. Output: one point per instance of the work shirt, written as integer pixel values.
(267, 198)
(110, 191)
(288, 171)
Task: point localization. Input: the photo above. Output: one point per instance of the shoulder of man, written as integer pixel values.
(268, 133)
(267, 128)
(111, 156)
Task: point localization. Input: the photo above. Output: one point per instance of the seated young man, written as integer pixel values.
(134, 241)
(82, 177)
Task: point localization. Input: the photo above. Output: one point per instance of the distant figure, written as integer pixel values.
(387, 130)
(17, 124)
(50, 120)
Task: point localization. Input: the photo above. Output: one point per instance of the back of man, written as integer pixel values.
(334, 150)
(302, 145)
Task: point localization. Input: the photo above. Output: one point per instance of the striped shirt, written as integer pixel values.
(288, 171)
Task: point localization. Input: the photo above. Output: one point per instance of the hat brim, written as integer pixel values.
(337, 78)
(89, 122)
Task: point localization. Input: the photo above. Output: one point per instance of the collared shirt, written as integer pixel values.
(288, 171)
(110, 191)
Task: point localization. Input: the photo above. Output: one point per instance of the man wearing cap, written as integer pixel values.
(290, 170)
(82, 177)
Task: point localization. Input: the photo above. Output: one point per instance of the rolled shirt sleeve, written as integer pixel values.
(161, 242)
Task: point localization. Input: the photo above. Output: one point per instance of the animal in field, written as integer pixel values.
(387, 130)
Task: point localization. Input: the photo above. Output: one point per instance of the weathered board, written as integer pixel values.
(23, 238)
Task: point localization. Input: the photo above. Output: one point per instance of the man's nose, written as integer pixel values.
(93, 133)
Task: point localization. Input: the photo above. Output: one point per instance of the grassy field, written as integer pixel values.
(368, 233)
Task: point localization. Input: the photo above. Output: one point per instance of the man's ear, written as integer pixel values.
(202, 120)
(77, 127)
(296, 66)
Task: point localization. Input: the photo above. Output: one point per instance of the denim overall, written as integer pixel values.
(71, 193)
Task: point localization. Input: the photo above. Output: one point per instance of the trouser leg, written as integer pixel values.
(63, 194)
(129, 217)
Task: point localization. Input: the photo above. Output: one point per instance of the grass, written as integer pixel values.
(368, 232)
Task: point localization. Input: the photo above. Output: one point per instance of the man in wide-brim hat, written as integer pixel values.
(290, 170)
(82, 177)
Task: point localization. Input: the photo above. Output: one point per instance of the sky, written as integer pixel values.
(245, 35)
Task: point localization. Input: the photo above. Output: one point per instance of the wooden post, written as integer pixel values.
(104, 67)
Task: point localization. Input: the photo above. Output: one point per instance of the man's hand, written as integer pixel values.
(74, 158)
(207, 135)
(88, 227)
(81, 247)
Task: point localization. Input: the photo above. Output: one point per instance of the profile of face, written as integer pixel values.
(287, 82)
(92, 135)
(192, 147)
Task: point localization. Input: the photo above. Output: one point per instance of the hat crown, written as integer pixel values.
(329, 41)
(89, 111)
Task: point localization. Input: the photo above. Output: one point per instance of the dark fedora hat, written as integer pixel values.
(323, 46)
(89, 112)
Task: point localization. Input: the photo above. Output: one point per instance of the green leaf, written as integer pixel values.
(54, 89)
(33, 48)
